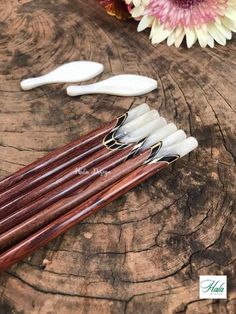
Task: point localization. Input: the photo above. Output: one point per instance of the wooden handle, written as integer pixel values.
(77, 214)
(39, 178)
(32, 217)
(56, 156)
(78, 190)
(22, 200)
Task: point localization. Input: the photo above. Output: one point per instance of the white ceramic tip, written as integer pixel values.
(183, 148)
(137, 123)
(159, 135)
(140, 134)
(136, 112)
(160, 123)
(174, 138)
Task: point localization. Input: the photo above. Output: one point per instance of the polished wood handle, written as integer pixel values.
(78, 213)
(65, 197)
(10, 207)
(62, 153)
(33, 181)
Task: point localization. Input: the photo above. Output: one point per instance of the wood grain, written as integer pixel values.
(120, 181)
(144, 252)
(68, 195)
(20, 194)
(53, 162)
(26, 185)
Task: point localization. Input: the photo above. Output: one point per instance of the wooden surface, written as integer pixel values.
(143, 253)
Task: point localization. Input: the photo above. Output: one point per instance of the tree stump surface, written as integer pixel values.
(144, 252)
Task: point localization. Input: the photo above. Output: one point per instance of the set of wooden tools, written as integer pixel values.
(46, 198)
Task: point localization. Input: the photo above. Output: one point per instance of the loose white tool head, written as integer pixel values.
(71, 72)
(120, 85)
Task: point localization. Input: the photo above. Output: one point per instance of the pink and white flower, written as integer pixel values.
(205, 21)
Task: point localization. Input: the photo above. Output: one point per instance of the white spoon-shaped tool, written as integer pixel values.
(71, 72)
(120, 85)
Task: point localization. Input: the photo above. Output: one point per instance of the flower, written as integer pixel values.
(116, 8)
(205, 21)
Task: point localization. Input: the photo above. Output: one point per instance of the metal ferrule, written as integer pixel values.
(154, 150)
(110, 140)
(168, 159)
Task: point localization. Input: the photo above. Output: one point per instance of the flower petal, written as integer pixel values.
(137, 11)
(224, 31)
(202, 35)
(145, 22)
(191, 37)
(179, 36)
(229, 24)
(216, 34)
(231, 13)
(161, 34)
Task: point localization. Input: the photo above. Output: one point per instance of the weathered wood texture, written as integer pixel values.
(143, 253)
